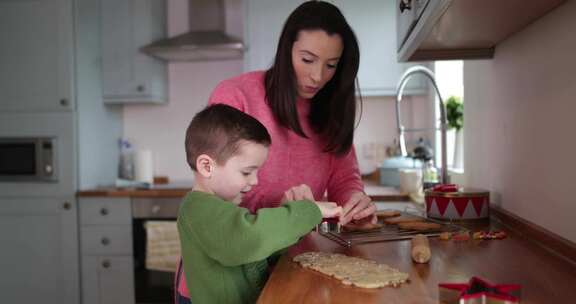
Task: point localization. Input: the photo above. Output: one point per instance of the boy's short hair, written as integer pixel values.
(217, 131)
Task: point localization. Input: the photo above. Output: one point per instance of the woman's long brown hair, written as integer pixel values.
(333, 108)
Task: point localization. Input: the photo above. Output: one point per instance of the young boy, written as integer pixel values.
(225, 247)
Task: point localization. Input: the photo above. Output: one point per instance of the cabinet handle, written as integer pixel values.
(104, 211)
(66, 206)
(155, 209)
(105, 241)
(106, 264)
(405, 5)
(141, 88)
(64, 102)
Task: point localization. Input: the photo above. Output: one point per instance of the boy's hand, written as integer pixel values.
(298, 193)
(329, 209)
(303, 192)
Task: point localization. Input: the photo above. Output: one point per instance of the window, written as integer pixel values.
(449, 78)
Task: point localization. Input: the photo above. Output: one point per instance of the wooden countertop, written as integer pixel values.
(134, 192)
(545, 277)
(374, 190)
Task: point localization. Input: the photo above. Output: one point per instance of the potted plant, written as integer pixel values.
(455, 119)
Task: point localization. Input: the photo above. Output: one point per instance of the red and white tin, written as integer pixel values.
(449, 202)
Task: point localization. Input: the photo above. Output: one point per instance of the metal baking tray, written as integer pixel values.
(386, 233)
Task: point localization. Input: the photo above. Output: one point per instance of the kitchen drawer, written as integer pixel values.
(155, 208)
(102, 240)
(105, 211)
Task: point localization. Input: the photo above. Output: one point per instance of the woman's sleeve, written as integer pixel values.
(230, 93)
(344, 178)
(233, 236)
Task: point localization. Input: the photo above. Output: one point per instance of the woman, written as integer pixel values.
(306, 101)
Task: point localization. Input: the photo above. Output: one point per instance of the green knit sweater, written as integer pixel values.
(225, 247)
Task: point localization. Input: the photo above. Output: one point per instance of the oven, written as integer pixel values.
(28, 159)
(153, 282)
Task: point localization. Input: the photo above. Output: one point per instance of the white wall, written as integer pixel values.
(377, 127)
(519, 123)
(162, 128)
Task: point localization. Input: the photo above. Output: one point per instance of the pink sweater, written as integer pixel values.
(292, 160)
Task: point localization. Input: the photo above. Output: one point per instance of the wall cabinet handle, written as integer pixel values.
(106, 264)
(405, 5)
(67, 206)
(105, 241)
(104, 211)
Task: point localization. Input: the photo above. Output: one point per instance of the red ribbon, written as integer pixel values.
(445, 188)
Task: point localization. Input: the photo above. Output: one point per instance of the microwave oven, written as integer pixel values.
(28, 159)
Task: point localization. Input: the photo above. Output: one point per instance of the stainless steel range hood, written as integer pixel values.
(206, 39)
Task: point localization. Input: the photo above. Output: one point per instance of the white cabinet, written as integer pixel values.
(449, 29)
(107, 280)
(373, 21)
(36, 56)
(39, 255)
(128, 75)
(106, 242)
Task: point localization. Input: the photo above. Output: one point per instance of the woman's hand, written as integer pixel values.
(329, 209)
(297, 193)
(359, 206)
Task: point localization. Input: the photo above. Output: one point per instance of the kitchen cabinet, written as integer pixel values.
(106, 246)
(39, 255)
(36, 58)
(373, 22)
(50, 86)
(107, 280)
(463, 29)
(128, 75)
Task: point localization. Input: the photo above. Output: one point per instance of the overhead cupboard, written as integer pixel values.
(129, 75)
(461, 29)
(36, 58)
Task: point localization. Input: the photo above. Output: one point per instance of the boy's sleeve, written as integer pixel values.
(233, 236)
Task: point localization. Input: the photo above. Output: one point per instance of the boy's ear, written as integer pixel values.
(205, 165)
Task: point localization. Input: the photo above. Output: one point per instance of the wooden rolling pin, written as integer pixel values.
(420, 249)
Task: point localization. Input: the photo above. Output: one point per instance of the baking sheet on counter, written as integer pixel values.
(387, 233)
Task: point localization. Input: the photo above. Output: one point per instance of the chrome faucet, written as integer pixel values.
(443, 125)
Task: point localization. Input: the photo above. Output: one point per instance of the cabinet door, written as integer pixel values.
(36, 55)
(373, 21)
(128, 75)
(107, 280)
(39, 255)
(264, 21)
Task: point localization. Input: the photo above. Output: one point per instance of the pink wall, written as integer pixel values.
(519, 117)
